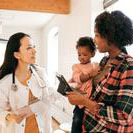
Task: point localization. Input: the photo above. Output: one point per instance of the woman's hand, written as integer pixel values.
(76, 98)
(25, 110)
(15, 118)
(93, 106)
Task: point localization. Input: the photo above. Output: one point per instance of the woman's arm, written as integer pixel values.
(11, 117)
(76, 98)
(122, 111)
(5, 111)
(49, 94)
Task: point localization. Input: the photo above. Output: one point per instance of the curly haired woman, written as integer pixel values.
(110, 107)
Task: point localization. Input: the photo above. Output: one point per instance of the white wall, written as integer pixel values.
(77, 24)
(96, 8)
(34, 33)
(72, 26)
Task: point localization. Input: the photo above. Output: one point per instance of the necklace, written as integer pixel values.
(23, 77)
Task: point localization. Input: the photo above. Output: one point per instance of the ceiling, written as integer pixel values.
(14, 13)
(24, 19)
(50, 6)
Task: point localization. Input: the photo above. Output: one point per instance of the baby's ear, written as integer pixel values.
(93, 54)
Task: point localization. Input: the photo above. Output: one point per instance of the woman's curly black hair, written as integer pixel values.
(116, 27)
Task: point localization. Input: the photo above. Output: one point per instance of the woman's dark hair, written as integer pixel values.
(115, 27)
(10, 62)
(124, 50)
(86, 42)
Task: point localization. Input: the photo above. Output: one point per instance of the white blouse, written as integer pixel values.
(9, 98)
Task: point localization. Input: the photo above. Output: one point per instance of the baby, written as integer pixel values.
(81, 77)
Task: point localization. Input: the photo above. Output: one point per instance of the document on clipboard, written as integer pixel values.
(63, 86)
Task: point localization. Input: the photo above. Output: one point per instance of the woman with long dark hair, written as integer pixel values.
(24, 92)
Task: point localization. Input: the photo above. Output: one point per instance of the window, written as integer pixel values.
(52, 65)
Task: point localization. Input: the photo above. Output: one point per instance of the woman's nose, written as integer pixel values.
(94, 40)
(34, 50)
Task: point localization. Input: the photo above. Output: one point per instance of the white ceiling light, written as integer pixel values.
(107, 3)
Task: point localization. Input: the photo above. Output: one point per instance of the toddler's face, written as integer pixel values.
(84, 55)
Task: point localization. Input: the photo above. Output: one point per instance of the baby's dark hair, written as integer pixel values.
(86, 42)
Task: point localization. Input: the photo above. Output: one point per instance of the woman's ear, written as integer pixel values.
(16, 55)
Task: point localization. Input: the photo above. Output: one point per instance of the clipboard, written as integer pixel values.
(63, 86)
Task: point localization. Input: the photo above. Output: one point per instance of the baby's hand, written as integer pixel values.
(95, 70)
